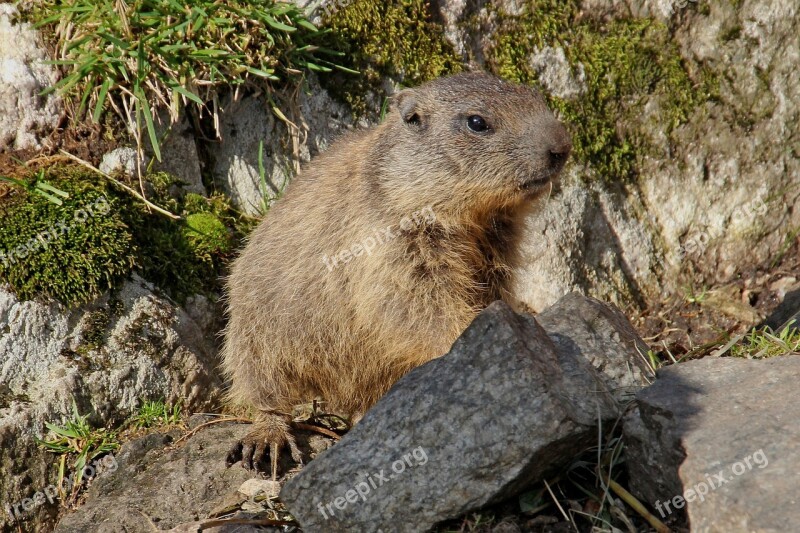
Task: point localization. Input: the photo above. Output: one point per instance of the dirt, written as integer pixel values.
(689, 326)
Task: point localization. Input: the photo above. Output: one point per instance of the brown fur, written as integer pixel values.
(298, 330)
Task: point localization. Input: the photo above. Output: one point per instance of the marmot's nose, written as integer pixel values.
(560, 146)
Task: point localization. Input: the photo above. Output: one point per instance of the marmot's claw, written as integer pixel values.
(234, 454)
(254, 447)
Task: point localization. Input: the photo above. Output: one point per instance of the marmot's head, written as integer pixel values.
(476, 138)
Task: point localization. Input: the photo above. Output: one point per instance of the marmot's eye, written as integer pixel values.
(477, 123)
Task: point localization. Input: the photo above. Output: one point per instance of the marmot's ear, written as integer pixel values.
(407, 104)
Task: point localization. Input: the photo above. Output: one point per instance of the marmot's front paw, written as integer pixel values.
(266, 438)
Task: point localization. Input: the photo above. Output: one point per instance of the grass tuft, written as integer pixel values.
(145, 56)
(156, 413)
(76, 437)
(764, 342)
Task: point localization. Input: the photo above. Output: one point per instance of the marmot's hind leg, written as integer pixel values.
(270, 430)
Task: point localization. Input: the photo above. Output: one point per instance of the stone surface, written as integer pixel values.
(179, 156)
(556, 75)
(246, 122)
(121, 160)
(156, 487)
(25, 117)
(603, 336)
(505, 407)
(734, 418)
(107, 356)
(583, 237)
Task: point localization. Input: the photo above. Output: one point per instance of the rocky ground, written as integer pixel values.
(680, 207)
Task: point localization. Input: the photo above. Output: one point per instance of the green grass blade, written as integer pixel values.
(101, 100)
(307, 25)
(269, 74)
(188, 94)
(141, 101)
(278, 25)
(49, 188)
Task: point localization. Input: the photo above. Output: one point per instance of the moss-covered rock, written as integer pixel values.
(187, 256)
(207, 235)
(76, 251)
(72, 252)
(396, 39)
(625, 64)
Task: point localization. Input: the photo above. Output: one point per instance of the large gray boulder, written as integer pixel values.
(510, 403)
(107, 357)
(25, 117)
(719, 440)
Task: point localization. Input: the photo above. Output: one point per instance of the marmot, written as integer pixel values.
(383, 250)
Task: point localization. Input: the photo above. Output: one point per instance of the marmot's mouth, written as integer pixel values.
(534, 183)
(537, 182)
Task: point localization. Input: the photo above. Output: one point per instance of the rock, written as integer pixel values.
(788, 312)
(720, 436)
(583, 239)
(107, 356)
(246, 122)
(161, 488)
(505, 407)
(179, 156)
(728, 300)
(25, 116)
(603, 336)
(121, 160)
(253, 487)
(556, 75)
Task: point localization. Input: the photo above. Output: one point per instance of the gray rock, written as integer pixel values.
(556, 75)
(713, 420)
(586, 239)
(121, 160)
(246, 122)
(603, 336)
(179, 156)
(505, 407)
(157, 487)
(25, 117)
(107, 356)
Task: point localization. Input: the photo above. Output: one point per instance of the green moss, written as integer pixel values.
(46, 251)
(626, 63)
(206, 234)
(71, 252)
(187, 256)
(397, 39)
